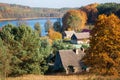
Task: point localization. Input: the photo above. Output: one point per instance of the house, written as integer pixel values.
(70, 60)
(68, 34)
(79, 38)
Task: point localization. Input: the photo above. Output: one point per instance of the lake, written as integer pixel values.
(31, 23)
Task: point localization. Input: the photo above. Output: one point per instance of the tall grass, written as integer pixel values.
(63, 77)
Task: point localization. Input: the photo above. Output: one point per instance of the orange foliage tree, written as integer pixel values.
(74, 20)
(104, 52)
(53, 35)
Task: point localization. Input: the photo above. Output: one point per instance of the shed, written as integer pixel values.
(70, 60)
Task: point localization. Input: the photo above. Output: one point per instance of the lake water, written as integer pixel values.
(31, 23)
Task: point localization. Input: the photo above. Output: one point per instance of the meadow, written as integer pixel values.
(63, 77)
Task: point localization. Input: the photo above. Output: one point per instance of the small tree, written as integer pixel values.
(53, 35)
(74, 20)
(45, 50)
(48, 25)
(104, 52)
(57, 26)
(37, 27)
(21, 22)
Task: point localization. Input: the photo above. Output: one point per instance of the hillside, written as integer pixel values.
(19, 11)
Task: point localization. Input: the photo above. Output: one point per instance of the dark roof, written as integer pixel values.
(86, 30)
(69, 57)
(82, 35)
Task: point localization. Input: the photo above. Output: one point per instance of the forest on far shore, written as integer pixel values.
(92, 11)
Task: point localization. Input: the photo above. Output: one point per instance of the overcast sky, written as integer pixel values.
(56, 3)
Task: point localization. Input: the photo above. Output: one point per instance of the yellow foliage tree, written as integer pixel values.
(53, 35)
(104, 52)
(74, 20)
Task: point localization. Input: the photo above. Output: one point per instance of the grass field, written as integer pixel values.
(63, 77)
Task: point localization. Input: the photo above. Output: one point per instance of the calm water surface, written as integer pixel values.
(31, 23)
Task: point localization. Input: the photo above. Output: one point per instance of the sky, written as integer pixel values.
(56, 3)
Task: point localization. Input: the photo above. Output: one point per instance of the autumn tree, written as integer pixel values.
(104, 52)
(74, 20)
(91, 11)
(37, 28)
(53, 35)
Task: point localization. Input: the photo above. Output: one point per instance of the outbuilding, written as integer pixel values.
(70, 60)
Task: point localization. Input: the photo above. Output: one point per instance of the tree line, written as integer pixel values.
(18, 11)
(94, 10)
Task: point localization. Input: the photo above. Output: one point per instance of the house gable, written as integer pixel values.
(78, 38)
(68, 34)
(73, 37)
(58, 63)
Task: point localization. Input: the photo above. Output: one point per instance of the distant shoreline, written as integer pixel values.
(12, 19)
